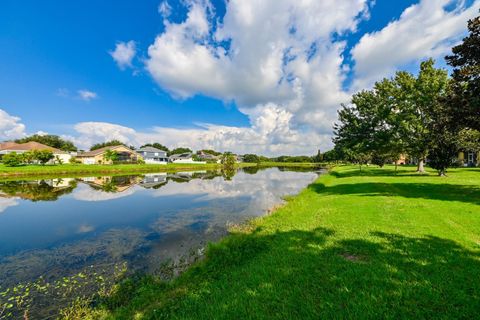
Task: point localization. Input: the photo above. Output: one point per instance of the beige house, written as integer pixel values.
(98, 156)
(9, 147)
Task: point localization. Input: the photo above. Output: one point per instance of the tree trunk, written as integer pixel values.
(420, 167)
(442, 173)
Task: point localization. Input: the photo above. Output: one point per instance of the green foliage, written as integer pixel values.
(465, 96)
(298, 159)
(43, 156)
(110, 156)
(209, 151)
(58, 160)
(29, 157)
(111, 143)
(396, 116)
(180, 151)
(50, 140)
(469, 140)
(229, 160)
(318, 157)
(251, 158)
(157, 145)
(12, 159)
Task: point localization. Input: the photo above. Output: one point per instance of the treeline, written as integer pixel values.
(319, 157)
(429, 116)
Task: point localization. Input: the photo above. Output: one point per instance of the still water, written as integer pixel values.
(54, 228)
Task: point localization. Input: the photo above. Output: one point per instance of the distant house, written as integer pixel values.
(184, 158)
(208, 157)
(97, 156)
(9, 147)
(153, 155)
(468, 158)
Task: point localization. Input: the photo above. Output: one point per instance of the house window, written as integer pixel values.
(156, 154)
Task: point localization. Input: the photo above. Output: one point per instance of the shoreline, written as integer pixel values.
(68, 170)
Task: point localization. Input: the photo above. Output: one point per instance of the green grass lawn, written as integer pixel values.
(351, 245)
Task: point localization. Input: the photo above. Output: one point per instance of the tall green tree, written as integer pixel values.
(443, 136)
(416, 100)
(53, 141)
(43, 156)
(369, 127)
(157, 145)
(110, 143)
(180, 151)
(465, 97)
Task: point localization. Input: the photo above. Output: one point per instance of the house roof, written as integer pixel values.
(208, 156)
(32, 145)
(97, 152)
(150, 149)
(181, 155)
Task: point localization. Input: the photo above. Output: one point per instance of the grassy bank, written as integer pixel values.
(351, 245)
(65, 169)
(82, 169)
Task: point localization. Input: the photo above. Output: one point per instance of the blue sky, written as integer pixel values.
(226, 76)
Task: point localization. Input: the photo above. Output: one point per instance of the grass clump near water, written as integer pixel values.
(370, 244)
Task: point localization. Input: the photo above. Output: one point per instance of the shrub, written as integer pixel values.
(12, 159)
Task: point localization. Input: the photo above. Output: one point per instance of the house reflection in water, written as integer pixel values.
(153, 180)
(38, 190)
(111, 184)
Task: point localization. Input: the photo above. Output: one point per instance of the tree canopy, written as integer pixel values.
(50, 140)
(156, 145)
(180, 151)
(465, 60)
(110, 143)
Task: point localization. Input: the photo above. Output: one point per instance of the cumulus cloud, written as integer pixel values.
(5, 203)
(124, 53)
(427, 29)
(164, 9)
(281, 65)
(10, 127)
(86, 193)
(86, 95)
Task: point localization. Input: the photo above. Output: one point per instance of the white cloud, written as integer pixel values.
(87, 95)
(124, 53)
(85, 193)
(10, 127)
(7, 202)
(63, 92)
(424, 30)
(283, 67)
(164, 9)
(41, 133)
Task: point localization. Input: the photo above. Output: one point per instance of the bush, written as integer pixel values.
(12, 159)
(43, 156)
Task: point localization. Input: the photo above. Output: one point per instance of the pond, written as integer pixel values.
(53, 229)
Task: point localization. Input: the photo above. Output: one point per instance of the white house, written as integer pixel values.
(9, 147)
(184, 158)
(153, 155)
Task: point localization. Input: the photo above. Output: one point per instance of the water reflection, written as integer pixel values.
(57, 227)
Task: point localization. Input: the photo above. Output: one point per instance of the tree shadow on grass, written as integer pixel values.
(444, 192)
(311, 275)
(379, 172)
